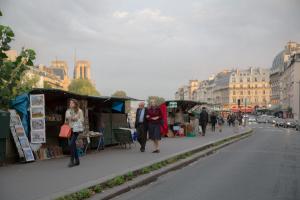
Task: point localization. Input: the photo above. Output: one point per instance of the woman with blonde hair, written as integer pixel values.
(74, 118)
(154, 117)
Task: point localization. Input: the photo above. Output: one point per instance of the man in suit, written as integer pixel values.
(203, 120)
(141, 125)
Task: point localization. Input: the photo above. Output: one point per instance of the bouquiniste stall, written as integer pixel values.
(46, 115)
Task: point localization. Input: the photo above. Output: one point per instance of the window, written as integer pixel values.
(249, 86)
(255, 79)
(255, 92)
(241, 92)
(249, 93)
(263, 79)
(255, 85)
(264, 92)
(248, 79)
(241, 80)
(233, 92)
(234, 100)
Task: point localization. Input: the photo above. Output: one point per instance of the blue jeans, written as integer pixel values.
(73, 148)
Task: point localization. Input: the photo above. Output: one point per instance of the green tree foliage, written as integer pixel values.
(12, 73)
(119, 93)
(84, 87)
(159, 100)
(123, 94)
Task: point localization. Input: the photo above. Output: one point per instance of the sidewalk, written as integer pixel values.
(47, 179)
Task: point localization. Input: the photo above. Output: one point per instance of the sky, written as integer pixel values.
(149, 48)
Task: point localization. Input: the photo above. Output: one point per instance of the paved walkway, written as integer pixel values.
(47, 179)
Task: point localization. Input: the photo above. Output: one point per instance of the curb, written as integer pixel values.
(153, 176)
(141, 180)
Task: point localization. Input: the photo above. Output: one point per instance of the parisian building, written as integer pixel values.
(82, 70)
(277, 70)
(290, 84)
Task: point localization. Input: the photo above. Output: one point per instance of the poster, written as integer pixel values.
(28, 154)
(24, 142)
(37, 122)
(20, 138)
(37, 136)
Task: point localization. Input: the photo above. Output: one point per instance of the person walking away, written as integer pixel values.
(229, 120)
(154, 118)
(203, 120)
(74, 118)
(141, 125)
(220, 122)
(213, 121)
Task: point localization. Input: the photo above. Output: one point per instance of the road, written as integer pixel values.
(261, 167)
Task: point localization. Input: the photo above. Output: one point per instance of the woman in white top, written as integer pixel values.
(74, 118)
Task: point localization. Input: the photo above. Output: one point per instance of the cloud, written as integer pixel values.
(120, 14)
(152, 47)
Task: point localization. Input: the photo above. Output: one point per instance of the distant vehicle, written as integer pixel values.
(270, 119)
(290, 123)
(252, 119)
(261, 119)
(280, 122)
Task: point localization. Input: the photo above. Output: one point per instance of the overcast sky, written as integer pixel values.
(153, 47)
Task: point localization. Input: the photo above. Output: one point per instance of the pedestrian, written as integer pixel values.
(229, 120)
(203, 120)
(74, 118)
(141, 125)
(220, 122)
(213, 121)
(154, 118)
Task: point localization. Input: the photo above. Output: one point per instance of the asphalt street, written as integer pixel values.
(262, 167)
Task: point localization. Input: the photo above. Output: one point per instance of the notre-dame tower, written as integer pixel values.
(82, 70)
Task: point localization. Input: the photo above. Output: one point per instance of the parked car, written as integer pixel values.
(261, 119)
(252, 118)
(290, 123)
(280, 122)
(270, 119)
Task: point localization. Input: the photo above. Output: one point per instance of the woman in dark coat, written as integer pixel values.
(213, 121)
(154, 117)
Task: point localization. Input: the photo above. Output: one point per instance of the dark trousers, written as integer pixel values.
(213, 127)
(142, 135)
(73, 149)
(203, 126)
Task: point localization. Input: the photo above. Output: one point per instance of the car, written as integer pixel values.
(270, 119)
(252, 119)
(261, 119)
(290, 123)
(280, 122)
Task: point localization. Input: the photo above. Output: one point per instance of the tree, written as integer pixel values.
(119, 93)
(13, 79)
(122, 94)
(159, 100)
(84, 87)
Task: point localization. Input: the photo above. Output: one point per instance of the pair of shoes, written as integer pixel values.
(156, 151)
(142, 149)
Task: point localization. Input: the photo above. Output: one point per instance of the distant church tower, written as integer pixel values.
(82, 70)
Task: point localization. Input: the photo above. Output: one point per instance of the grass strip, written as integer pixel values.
(119, 180)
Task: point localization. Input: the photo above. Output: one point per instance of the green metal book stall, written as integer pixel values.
(42, 112)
